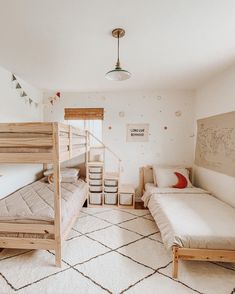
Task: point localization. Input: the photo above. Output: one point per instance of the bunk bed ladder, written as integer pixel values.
(103, 186)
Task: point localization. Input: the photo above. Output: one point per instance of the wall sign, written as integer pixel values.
(137, 133)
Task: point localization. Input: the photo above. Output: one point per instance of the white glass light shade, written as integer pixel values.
(118, 75)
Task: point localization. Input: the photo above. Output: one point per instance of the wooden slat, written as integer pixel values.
(76, 141)
(25, 142)
(64, 148)
(80, 146)
(78, 132)
(25, 149)
(27, 228)
(206, 254)
(25, 157)
(83, 113)
(64, 141)
(26, 243)
(81, 141)
(95, 163)
(64, 156)
(25, 135)
(63, 128)
(37, 127)
(64, 135)
(78, 151)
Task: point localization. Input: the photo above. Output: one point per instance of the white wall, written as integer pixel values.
(14, 109)
(172, 146)
(215, 97)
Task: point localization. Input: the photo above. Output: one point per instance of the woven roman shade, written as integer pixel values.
(83, 113)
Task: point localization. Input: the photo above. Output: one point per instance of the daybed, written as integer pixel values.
(40, 215)
(193, 224)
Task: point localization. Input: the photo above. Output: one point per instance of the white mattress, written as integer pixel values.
(35, 204)
(150, 189)
(192, 219)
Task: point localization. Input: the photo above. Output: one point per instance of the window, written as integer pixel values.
(90, 119)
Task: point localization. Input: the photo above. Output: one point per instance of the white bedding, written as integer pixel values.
(150, 189)
(192, 218)
(34, 203)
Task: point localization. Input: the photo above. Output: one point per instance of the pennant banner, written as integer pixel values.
(23, 94)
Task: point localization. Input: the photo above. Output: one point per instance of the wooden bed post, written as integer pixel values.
(45, 166)
(57, 195)
(175, 262)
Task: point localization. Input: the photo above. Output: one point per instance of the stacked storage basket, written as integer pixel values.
(95, 181)
(110, 191)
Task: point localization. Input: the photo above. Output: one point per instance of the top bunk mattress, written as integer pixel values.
(34, 203)
(193, 219)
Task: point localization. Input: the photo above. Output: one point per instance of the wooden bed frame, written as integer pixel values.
(188, 253)
(45, 143)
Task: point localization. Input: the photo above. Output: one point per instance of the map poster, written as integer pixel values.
(215, 146)
(137, 132)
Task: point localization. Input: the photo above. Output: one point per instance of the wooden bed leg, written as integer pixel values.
(57, 195)
(58, 256)
(175, 262)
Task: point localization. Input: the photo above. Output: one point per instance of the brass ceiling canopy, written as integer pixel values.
(118, 33)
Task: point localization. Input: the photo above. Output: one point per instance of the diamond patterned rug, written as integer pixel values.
(111, 251)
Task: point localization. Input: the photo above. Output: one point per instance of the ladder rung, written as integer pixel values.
(97, 147)
(95, 163)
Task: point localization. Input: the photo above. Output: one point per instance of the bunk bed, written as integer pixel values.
(41, 143)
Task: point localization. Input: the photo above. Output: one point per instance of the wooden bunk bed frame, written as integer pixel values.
(40, 143)
(217, 255)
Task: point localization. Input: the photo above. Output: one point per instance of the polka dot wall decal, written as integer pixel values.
(178, 113)
(110, 128)
(165, 128)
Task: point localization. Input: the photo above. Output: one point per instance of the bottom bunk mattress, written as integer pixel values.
(192, 218)
(34, 204)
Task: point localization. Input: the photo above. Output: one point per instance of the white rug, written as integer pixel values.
(111, 251)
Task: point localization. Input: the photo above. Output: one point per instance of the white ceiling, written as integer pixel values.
(67, 45)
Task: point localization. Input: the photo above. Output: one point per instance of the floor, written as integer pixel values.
(111, 251)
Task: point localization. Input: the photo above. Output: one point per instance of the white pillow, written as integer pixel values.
(170, 177)
(50, 179)
(64, 172)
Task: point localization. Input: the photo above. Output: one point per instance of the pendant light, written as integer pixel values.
(118, 74)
